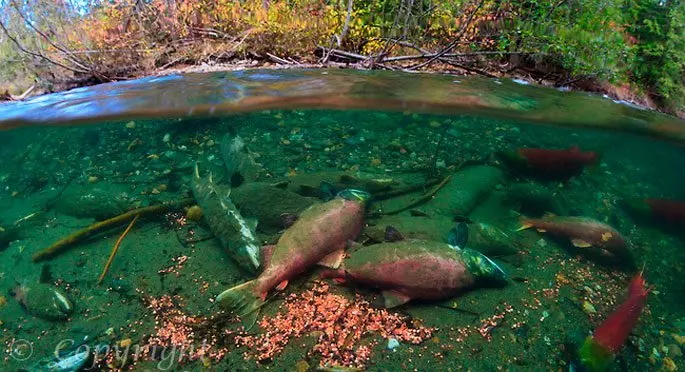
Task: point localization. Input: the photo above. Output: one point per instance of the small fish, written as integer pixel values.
(458, 236)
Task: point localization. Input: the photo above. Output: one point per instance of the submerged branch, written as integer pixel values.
(424, 198)
(63, 244)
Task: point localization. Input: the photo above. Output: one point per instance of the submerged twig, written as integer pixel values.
(115, 249)
(424, 198)
(101, 226)
(382, 195)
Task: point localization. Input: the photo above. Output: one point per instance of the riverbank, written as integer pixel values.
(630, 52)
(623, 93)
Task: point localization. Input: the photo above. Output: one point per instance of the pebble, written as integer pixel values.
(167, 138)
(674, 350)
(131, 124)
(678, 338)
(393, 343)
(589, 308)
(125, 343)
(669, 365)
(92, 179)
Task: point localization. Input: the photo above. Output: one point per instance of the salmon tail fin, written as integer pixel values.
(242, 301)
(594, 356)
(525, 224)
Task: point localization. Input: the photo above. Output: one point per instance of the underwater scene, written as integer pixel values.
(306, 221)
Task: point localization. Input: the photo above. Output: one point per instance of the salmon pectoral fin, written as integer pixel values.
(580, 243)
(281, 286)
(394, 299)
(333, 260)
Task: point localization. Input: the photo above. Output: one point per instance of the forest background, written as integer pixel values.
(630, 49)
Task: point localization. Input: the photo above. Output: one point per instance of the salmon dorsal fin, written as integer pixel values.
(333, 260)
(548, 216)
(580, 243)
(394, 299)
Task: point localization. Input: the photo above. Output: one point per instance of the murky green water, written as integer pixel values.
(156, 303)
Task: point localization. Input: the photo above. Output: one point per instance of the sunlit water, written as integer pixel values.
(137, 143)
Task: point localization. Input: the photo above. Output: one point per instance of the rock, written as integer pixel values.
(465, 191)
(267, 203)
(194, 213)
(97, 201)
(668, 365)
(674, 351)
(43, 301)
(393, 344)
(589, 308)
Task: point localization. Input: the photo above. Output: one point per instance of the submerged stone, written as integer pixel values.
(99, 201)
(465, 191)
(43, 301)
(267, 204)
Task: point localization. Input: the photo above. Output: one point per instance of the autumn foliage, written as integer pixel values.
(635, 42)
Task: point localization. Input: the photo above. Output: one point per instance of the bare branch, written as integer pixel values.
(451, 45)
(36, 54)
(347, 22)
(65, 51)
(448, 55)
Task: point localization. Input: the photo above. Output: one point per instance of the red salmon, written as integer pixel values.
(599, 349)
(594, 238)
(418, 269)
(552, 164)
(320, 235)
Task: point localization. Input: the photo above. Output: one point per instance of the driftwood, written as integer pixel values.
(63, 244)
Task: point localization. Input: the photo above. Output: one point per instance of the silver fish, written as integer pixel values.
(236, 233)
